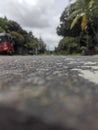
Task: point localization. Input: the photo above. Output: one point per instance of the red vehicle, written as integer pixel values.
(6, 44)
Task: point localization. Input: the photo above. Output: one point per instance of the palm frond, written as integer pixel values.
(91, 3)
(84, 21)
(75, 21)
(74, 13)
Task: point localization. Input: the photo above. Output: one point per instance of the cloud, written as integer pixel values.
(28, 13)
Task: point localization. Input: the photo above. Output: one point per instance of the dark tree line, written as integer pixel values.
(25, 42)
(79, 28)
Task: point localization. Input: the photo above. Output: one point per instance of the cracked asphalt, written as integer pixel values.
(60, 92)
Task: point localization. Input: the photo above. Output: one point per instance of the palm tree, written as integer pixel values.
(83, 9)
(87, 10)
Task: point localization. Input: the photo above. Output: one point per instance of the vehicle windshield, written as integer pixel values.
(3, 39)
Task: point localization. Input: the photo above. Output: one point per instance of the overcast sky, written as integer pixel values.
(39, 16)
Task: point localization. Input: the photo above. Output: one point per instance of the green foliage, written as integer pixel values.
(65, 23)
(41, 46)
(79, 20)
(81, 10)
(1, 30)
(18, 38)
(30, 45)
(75, 21)
(68, 45)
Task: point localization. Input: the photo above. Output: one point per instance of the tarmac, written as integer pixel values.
(48, 93)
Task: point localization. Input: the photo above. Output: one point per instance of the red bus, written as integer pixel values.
(6, 44)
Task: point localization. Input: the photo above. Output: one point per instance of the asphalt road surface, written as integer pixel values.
(48, 93)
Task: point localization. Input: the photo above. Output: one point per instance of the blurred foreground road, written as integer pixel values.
(48, 93)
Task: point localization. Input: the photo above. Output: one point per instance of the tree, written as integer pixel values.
(68, 44)
(88, 11)
(19, 39)
(82, 9)
(1, 30)
(41, 46)
(19, 42)
(14, 26)
(64, 28)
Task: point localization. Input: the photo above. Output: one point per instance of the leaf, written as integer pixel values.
(75, 21)
(84, 21)
(74, 13)
(91, 3)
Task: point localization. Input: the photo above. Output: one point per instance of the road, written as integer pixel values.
(49, 92)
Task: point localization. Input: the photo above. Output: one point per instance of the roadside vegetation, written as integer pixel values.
(25, 42)
(79, 28)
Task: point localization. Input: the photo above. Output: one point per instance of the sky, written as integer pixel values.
(39, 16)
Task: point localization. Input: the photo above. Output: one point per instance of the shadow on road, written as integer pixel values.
(12, 119)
